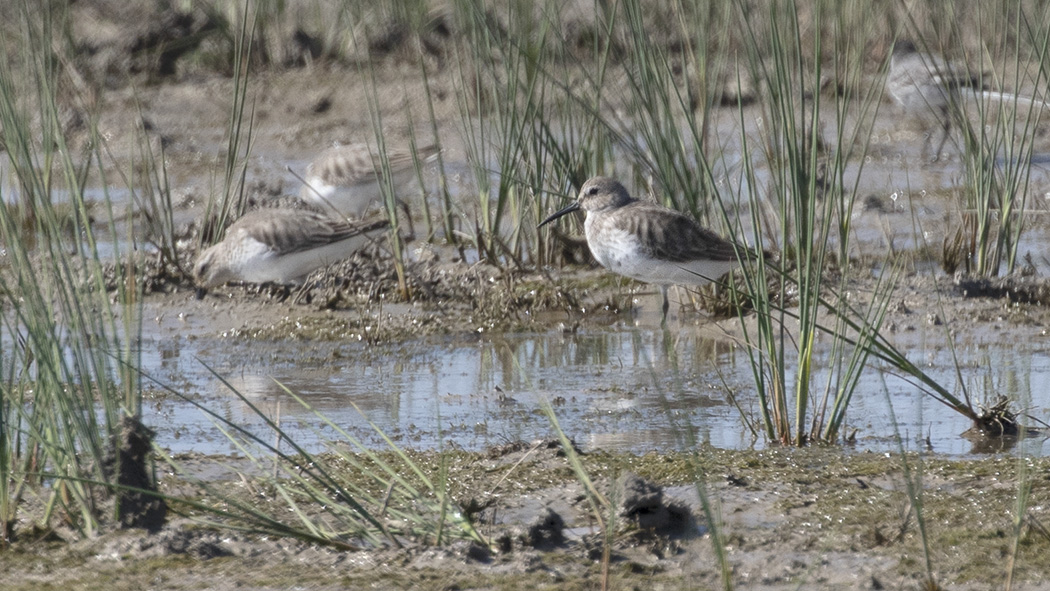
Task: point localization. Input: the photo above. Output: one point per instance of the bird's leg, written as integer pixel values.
(666, 306)
(304, 294)
(408, 217)
(945, 130)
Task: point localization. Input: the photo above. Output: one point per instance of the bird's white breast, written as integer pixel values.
(621, 251)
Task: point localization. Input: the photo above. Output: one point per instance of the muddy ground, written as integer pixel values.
(788, 518)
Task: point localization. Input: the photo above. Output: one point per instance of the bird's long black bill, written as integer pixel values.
(567, 209)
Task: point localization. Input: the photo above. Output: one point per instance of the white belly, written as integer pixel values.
(352, 200)
(265, 265)
(620, 252)
(355, 199)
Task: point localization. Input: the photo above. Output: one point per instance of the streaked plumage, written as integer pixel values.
(347, 179)
(648, 242)
(281, 245)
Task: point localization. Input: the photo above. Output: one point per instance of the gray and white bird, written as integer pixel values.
(281, 246)
(348, 180)
(648, 242)
(929, 87)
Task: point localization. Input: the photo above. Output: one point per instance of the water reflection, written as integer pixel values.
(619, 389)
(616, 388)
(472, 394)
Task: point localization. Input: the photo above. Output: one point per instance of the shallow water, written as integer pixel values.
(630, 386)
(633, 389)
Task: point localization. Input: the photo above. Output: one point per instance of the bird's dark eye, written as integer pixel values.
(592, 191)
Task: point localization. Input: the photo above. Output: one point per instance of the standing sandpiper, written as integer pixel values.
(649, 242)
(348, 180)
(280, 245)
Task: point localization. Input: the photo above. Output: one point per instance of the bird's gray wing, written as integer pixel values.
(292, 230)
(675, 237)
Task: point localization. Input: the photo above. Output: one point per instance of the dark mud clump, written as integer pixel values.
(1017, 289)
(135, 498)
(996, 429)
(180, 540)
(115, 40)
(643, 505)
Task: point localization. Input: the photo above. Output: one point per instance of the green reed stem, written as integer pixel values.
(75, 335)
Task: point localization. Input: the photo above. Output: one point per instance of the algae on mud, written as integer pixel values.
(784, 527)
(817, 517)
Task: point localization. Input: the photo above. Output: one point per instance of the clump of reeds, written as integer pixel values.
(69, 376)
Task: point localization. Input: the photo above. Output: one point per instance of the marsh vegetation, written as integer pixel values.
(133, 135)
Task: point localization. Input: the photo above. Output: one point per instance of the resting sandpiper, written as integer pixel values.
(280, 246)
(348, 180)
(649, 242)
